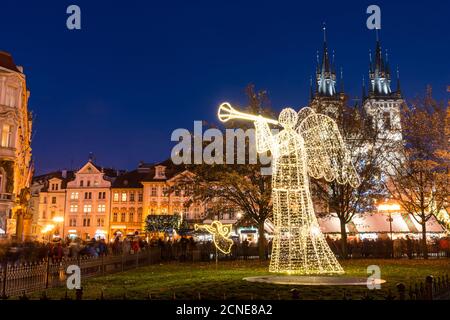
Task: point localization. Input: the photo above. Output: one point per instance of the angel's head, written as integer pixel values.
(288, 118)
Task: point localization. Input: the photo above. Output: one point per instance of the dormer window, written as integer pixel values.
(160, 172)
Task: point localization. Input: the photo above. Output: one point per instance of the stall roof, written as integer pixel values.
(379, 223)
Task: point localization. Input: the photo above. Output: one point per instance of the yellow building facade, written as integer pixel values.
(15, 151)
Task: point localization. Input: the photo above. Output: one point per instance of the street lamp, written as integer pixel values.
(389, 208)
(58, 220)
(47, 229)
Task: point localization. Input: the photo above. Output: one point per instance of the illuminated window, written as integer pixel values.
(87, 208)
(101, 208)
(73, 208)
(124, 197)
(74, 196)
(6, 136)
(116, 196)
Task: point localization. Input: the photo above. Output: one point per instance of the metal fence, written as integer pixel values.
(29, 277)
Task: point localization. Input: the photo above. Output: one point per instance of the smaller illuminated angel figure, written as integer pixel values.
(221, 233)
(308, 145)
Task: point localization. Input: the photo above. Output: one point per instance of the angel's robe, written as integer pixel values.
(298, 246)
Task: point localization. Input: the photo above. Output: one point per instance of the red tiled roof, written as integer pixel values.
(6, 61)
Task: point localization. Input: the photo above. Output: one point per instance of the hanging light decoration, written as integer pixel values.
(220, 232)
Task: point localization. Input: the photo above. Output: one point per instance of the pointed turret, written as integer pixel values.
(399, 90)
(363, 95)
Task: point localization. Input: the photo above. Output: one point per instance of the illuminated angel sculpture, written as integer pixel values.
(309, 143)
(221, 233)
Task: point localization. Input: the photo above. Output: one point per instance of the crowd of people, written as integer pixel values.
(386, 248)
(187, 249)
(13, 252)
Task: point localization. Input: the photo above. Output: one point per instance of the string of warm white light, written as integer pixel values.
(309, 143)
(221, 233)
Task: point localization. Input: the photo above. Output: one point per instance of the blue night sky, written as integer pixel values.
(140, 69)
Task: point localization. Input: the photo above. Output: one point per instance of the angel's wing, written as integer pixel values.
(326, 153)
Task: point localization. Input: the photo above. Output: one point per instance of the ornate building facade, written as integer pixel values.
(382, 105)
(95, 202)
(15, 150)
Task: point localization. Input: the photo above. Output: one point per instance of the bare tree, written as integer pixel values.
(419, 181)
(363, 141)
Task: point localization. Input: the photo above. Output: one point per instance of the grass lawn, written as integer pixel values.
(191, 281)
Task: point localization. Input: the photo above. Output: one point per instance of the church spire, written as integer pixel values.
(326, 77)
(379, 73)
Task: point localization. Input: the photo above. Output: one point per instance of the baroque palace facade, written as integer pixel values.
(15, 150)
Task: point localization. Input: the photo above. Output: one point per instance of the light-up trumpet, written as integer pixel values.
(227, 112)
